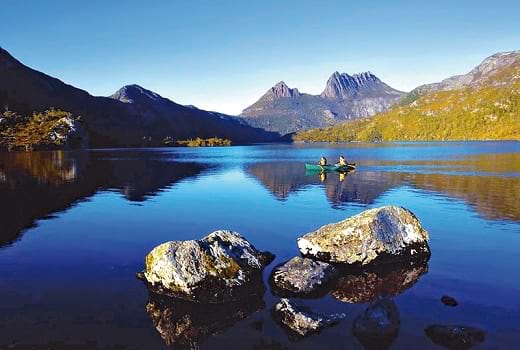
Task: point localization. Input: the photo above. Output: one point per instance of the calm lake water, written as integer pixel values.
(75, 227)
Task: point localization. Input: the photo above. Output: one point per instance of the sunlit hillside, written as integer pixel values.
(489, 110)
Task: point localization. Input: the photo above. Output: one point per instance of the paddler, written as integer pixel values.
(342, 161)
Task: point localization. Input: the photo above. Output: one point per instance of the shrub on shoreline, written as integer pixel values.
(199, 142)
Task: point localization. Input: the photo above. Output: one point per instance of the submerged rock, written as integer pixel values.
(302, 277)
(378, 326)
(385, 234)
(300, 320)
(455, 337)
(449, 301)
(186, 325)
(387, 280)
(221, 267)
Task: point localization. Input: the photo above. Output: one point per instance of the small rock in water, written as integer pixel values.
(378, 326)
(449, 301)
(302, 277)
(386, 234)
(221, 267)
(301, 320)
(455, 337)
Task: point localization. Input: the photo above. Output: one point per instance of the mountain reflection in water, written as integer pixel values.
(494, 196)
(35, 185)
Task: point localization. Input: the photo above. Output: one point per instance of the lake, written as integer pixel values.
(75, 228)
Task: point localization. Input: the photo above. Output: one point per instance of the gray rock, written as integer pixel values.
(301, 277)
(455, 337)
(221, 267)
(378, 326)
(302, 321)
(386, 234)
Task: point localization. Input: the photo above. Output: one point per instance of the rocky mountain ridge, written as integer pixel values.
(483, 104)
(133, 116)
(285, 110)
(479, 76)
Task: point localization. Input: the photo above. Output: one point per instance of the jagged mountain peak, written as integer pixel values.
(346, 97)
(281, 90)
(366, 76)
(343, 85)
(133, 92)
(281, 84)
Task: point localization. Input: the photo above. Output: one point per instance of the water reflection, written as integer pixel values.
(183, 324)
(367, 285)
(378, 326)
(494, 196)
(72, 281)
(282, 179)
(35, 185)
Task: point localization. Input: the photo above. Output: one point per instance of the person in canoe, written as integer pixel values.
(342, 161)
(323, 161)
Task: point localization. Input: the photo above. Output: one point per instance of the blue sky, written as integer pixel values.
(223, 55)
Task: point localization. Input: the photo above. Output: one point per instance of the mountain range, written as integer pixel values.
(133, 116)
(483, 104)
(285, 110)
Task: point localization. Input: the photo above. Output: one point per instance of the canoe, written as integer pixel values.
(339, 168)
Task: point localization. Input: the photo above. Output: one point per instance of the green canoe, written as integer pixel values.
(319, 168)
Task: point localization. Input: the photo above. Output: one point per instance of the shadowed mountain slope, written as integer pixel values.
(133, 116)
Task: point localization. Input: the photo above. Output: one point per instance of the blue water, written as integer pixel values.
(75, 227)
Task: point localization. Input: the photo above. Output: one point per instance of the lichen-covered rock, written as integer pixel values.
(221, 267)
(378, 326)
(385, 234)
(302, 277)
(186, 325)
(388, 280)
(455, 337)
(300, 320)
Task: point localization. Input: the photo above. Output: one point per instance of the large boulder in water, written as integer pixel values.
(386, 234)
(221, 267)
(302, 277)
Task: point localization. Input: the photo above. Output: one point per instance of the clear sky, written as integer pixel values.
(223, 55)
